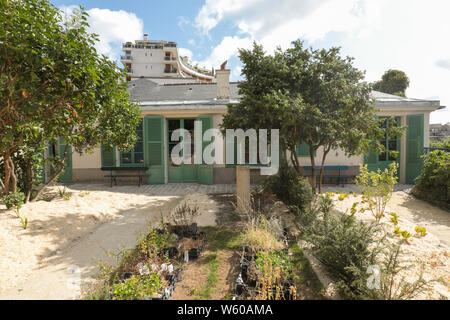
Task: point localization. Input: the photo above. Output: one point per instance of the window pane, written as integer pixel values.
(138, 158)
(126, 157)
(139, 147)
(393, 145)
(382, 156)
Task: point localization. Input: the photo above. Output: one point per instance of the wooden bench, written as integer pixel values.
(141, 172)
(326, 169)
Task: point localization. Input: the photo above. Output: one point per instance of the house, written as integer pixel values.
(169, 103)
(439, 132)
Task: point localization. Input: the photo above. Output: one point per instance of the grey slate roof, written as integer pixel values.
(148, 91)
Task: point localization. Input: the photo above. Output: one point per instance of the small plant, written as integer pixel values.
(377, 187)
(389, 284)
(259, 235)
(137, 287)
(83, 194)
(271, 275)
(15, 201)
(394, 218)
(405, 236)
(184, 214)
(421, 232)
(62, 192)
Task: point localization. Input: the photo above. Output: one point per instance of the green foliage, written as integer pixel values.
(341, 242)
(290, 188)
(393, 82)
(15, 201)
(444, 144)
(277, 258)
(55, 84)
(377, 187)
(311, 96)
(213, 264)
(137, 287)
(433, 183)
(422, 232)
(391, 284)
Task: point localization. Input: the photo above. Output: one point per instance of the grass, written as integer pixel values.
(219, 239)
(307, 278)
(212, 280)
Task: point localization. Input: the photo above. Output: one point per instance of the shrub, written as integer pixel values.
(340, 243)
(15, 201)
(377, 187)
(290, 188)
(137, 287)
(184, 214)
(259, 234)
(321, 205)
(384, 280)
(433, 183)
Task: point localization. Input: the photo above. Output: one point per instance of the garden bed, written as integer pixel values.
(153, 268)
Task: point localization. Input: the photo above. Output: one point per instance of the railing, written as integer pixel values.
(126, 58)
(167, 58)
(129, 70)
(170, 70)
(170, 45)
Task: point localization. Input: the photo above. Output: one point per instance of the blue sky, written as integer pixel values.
(410, 35)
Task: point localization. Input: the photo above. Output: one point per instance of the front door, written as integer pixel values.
(414, 146)
(186, 170)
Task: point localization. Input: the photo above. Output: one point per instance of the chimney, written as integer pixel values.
(223, 83)
(145, 36)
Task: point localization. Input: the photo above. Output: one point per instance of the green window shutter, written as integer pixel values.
(303, 150)
(155, 141)
(206, 172)
(108, 156)
(66, 176)
(154, 148)
(414, 146)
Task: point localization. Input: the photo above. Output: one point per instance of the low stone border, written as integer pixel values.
(331, 291)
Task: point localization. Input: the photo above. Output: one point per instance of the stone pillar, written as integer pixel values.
(243, 187)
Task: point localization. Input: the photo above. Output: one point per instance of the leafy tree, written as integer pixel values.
(312, 96)
(394, 82)
(54, 84)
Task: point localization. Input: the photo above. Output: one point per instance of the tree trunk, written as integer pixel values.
(13, 176)
(7, 173)
(28, 180)
(313, 170)
(53, 179)
(322, 166)
(294, 161)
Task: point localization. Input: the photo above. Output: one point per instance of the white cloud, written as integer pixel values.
(410, 35)
(225, 50)
(183, 52)
(443, 63)
(113, 28)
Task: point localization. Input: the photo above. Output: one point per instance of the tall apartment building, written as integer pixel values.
(159, 59)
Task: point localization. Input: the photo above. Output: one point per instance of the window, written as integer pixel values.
(303, 150)
(135, 156)
(390, 143)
